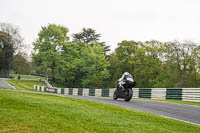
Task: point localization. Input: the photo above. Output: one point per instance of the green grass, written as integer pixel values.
(25, 84)
(23, 112)
(29, 84)
(57, 85)
(37, 77)
(28, 76)
(172, 101)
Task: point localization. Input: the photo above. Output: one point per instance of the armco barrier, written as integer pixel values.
(158, 93)
(80, 91)
(174, 93)
(145, 93)
(75, 91)
(85, 92)
(185, 94)
(105, 93)
(70, 91)
(191, 94)
(91, 92)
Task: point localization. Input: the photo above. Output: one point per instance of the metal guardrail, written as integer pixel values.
(185, 94)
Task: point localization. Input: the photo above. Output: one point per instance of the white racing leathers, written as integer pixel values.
(126, 77)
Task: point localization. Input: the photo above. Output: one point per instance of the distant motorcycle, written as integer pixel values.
(124, 87)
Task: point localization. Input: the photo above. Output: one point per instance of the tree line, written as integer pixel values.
(158, 64)
(83, 61)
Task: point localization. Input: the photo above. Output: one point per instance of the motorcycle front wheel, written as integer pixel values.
(129, 94)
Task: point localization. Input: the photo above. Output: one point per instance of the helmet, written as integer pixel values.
(126, 73)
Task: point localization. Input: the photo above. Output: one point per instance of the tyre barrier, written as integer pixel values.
(184, 94)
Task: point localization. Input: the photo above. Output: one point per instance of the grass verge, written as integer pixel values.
(28, 76)
(25, 84)
(172, 101)
(28, 84)
(22, 112)
(57, 85)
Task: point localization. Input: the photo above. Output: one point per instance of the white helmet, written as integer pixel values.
(126, 73)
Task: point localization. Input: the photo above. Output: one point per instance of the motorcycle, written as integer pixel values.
(125, 92)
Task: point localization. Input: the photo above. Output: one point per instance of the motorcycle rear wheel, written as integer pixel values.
(115, 95)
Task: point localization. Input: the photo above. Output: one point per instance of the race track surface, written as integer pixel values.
(182, 112)
(4, 84)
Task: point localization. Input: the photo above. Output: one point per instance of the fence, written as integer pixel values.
(185, 94)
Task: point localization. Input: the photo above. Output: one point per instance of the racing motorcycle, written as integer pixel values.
(124, 87)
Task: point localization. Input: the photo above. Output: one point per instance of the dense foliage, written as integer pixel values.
(21, 64)
(12, 56)
(75, 64)
(6, 54)
(157, 64)
(83, 62)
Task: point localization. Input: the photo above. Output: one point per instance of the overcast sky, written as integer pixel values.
(115, 20)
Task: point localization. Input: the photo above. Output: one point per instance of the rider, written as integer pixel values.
(122, 81)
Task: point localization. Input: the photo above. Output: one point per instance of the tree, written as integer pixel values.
(83, 65)
(13, 43)
(70, 70)
(14, 35)
(141, 59)
(20, 64)
(6, 53)
(114, 70)
(121, 60)
(48, 48)
(153, 72)
(94, 66)
(90, 37)
(87, 35)
(182, 63)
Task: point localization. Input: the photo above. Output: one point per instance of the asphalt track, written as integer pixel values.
(187, 113)
(4, 84)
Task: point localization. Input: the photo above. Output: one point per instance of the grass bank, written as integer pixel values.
(25, 84)
(29, 84)
(28, 76)
(22, 112)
